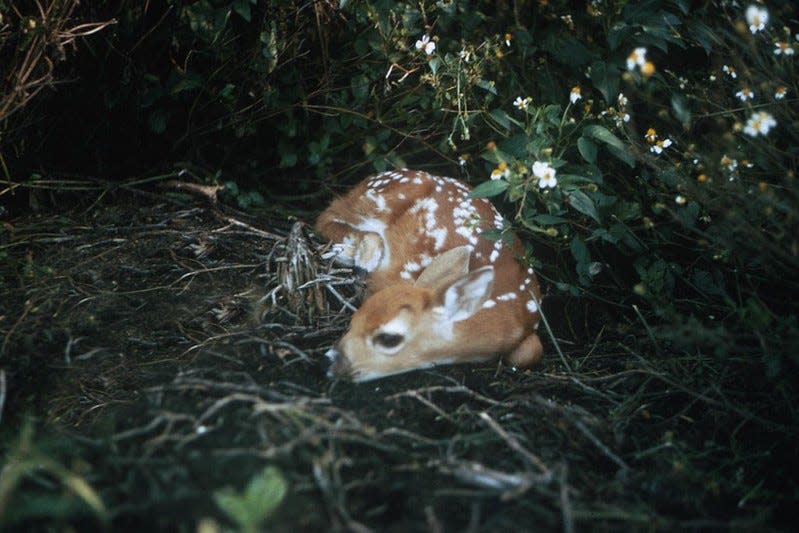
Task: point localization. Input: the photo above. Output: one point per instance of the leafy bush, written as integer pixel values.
(609, 144)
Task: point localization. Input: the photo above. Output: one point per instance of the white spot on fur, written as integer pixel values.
(378, 199)
(507, 296)
(532, 306)
(395, 326)
(488, 304)
(440, 237)
(412, 266)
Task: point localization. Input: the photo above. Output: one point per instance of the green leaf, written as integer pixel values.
(603, 135)
(587, 149)
(710, 284)
(227, 91)
(679, 106)
(265, 491)
(158, 120)
(233, 506)
(287, 159)
(501, 117)
(606, 79)
(615, 145)
(434, 63)
(487, 86)
(689, 214)
(186, 84)
(582, 203)
(622, 154)
(515, 146)
(489, 188)
(583, 259)
(250, 508)
(242, 7)
(548, 220)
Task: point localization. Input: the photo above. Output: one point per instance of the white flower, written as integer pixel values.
(500, 172)
(730, 71)
(659, 146)
(522, 103)
(780, 92)
(782, 48)
(729, 163)
(575, 94)
(426, 44)
(680, 199)
(545, 174)
(756, 18)
(466, 55)
(637, 58)
(759, 123)
(745, 94)
(622, 100)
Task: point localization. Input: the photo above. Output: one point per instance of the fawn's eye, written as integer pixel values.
(388, 340)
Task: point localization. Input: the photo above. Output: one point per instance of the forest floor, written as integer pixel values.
(157, 356)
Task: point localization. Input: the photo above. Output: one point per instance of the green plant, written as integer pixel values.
(26, 462)
(252, 507)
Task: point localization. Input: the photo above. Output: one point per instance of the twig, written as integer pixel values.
(2, 392)
(554, 340)
(479, 475)
(648, 329)
(415, 394)
(599, 444)
(253, 229)
(565, 504)
(209, 192)
(514, 443)
(455, 388)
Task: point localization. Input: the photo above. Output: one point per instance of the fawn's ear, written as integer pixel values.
(369, 252)
(446, 268)
(467, 294)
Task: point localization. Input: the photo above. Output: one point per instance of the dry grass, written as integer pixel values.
(165, 352)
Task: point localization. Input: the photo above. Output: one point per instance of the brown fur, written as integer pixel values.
(506, 328)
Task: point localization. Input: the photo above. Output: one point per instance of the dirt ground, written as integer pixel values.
(156, 354)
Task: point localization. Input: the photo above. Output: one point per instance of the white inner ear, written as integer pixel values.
(446, 268)
(466, 296)
(369, 252)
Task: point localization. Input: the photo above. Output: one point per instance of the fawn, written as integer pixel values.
(437, 292)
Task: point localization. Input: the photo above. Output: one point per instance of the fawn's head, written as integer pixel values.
(406, 327)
